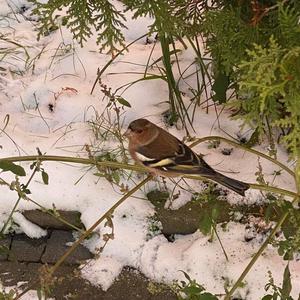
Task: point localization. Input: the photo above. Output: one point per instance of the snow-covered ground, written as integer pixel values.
(45, 102)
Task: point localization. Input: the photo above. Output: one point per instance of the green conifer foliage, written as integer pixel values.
(254, 46)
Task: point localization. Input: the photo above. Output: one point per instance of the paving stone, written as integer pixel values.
(25, 249)
(47, 221)
(56, 247)
(4, 247)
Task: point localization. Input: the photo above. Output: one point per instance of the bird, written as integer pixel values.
(162, 154)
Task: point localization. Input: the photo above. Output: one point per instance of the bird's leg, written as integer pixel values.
(164, 182)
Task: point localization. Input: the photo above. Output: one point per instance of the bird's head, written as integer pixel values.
(141, 132)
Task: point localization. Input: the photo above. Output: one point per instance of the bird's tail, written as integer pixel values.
(233, 184)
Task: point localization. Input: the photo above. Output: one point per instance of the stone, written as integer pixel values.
(47, 221)
(25, 249)
(186, 219)
(57, 246)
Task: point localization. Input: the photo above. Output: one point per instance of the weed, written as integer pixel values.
(154, 227)
(7, 296)
(213, 144)
(191, 290)
(158, 198)
(279, 293)
(156, 288)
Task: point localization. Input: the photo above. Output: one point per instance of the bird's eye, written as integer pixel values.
(139, 130)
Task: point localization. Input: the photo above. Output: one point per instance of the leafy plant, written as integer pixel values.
(210, 195)
(7, 296)
(154, 227)
(10, 166)
(191, 290)
(280, 293)
(289, 246)
(255, 45)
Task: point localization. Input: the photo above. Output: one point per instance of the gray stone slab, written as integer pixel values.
(47, 221)
(56, 247)
(25, 249)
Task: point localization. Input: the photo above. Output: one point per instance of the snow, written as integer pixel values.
(103, 271)
(30, 229)
(62, 77)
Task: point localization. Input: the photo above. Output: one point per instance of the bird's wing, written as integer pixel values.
(183, 160)
(188, 162)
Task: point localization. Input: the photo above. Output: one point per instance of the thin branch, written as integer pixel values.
(20, 197)
(111, 60)
(218, 138)
(138, 168)
(258, 253)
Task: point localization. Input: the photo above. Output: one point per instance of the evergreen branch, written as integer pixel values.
(45, 13)
(81, 18)
(109, 24)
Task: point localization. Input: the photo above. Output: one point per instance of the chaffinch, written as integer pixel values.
(163, 154)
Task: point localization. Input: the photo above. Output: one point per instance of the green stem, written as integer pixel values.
(253, 186)
(87, 233)
(169, 73)
(76, 160)
(273, 189)
(257, 254)
(218, 138)
(223, 249)
(46, 210)
(111, 164)
(58, 217)
(19, 198)
(110, 62)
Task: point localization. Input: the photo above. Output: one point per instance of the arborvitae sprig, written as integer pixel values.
(82, 17)
(45, 13)
(80, 25)
(109, 22)
(228, 34)
(289, 25)
(162, 12)
(270, 84)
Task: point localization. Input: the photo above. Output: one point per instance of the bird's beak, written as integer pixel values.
(128, 133)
